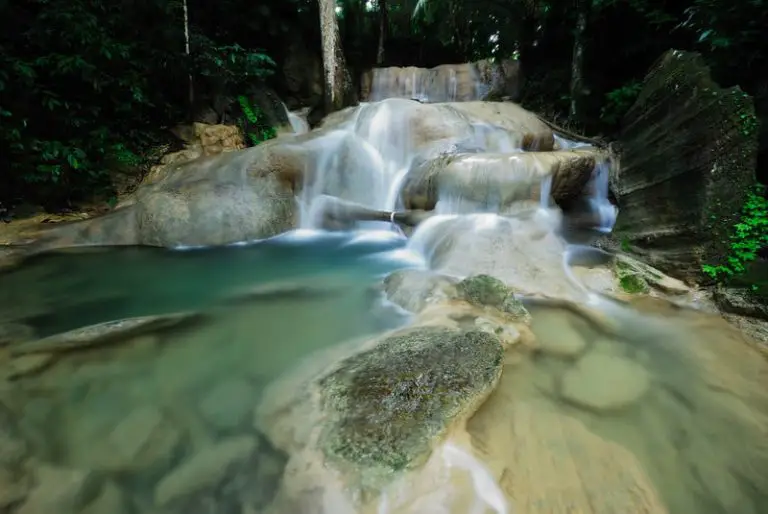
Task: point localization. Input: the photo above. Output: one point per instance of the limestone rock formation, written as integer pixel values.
(262, 191)
(214, 200)
(380, 412)
(498, 180)
(521, 250)
(492, 126)
(482, 80)
(688, 158)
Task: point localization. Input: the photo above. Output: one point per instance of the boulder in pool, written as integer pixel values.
(379, 413)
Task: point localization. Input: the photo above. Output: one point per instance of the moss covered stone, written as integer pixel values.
(633, 284)
(387, 406)
(488, 291)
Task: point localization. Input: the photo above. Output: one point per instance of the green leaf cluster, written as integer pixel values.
(255, 126)
(748, 236)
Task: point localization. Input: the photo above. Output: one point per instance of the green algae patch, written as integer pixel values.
(388, 406)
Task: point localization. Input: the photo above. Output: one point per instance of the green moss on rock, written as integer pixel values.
(633, 284)
(388, 405)
(488, 291)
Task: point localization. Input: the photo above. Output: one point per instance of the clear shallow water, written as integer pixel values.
(698, 428)
(67, 289)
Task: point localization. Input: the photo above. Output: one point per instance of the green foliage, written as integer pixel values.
(88, 86)
(748, 236)
(255, 120)
(619, 101)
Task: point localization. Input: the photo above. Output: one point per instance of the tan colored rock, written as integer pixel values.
(546, 461)
(604, 383)
(498, 180)
(205, 470)
(480, 80)
(556, 333)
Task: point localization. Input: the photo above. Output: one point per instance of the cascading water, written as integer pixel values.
(605, 211)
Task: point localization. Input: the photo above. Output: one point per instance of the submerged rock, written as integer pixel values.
(227, 405)
(205, 470)
(144, 441)
(556, 333)
(102, 333)
(604, 383)
(61, 490)
(548, 462)
(688, 158)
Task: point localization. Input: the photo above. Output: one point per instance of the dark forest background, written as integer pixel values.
(91, 87)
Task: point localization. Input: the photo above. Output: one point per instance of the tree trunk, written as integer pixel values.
(577, 61)
(186, 47)
(383, 25)
(338, 90)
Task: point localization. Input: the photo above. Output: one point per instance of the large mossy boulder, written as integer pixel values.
(389, 406)
(358, 418)
(688, 156)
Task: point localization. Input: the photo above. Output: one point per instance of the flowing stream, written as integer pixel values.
(696, 413)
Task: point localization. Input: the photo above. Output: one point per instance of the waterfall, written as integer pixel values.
(604, 210)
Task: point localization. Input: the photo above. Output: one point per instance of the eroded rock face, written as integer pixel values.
(687, 161)
(497, 181)
(482, 80)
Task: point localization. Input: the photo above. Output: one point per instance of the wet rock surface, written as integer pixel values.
(405, 385)
(498, 181)
(685, 168)
(482, 80)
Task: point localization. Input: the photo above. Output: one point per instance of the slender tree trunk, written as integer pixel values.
(577, 61)
(186, 47)
(383, 26)
(339, 92)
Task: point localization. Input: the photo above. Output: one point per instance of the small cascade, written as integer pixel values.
(298, 123)
(363, 160)
(567, 144)
(446, 83)
(452, 86)
(604, 210)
